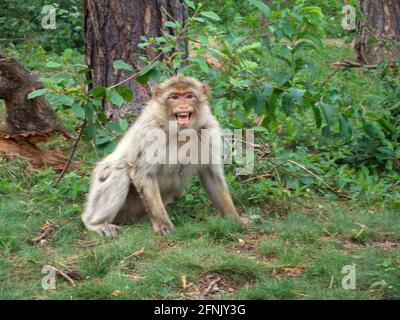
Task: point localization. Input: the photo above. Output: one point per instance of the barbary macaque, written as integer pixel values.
(141, 176)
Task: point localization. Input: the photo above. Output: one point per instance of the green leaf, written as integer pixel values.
(103, 139)
(98, 92)
(287, 104)
(190, 4)
(37, 93)
(67, 54)
(123, 124)
(199, 19)
(170, 24)
(326, 132)
(345, 129)
(297, 95)
(106, 148)
(53, 65)
(303, 45)
(288, 30)
(373, 129)
(119, 64)
(211, 15)
(261, 6)
(327, 111)
(78, 110)
(115, 97)
(65, 100)
(147, 72)
(102, 117)
(283, 78)
(260, 104)
(268, 89)
(317, 115)
(89, 132)
(260, 129)
(313, 38)
(126, 93)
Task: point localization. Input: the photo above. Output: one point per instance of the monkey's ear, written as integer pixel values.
(157, 91)
(205, 90)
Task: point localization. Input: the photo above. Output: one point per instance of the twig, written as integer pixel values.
(211, 286)
(316, 177)
(330, 77)
(64, 275)
(44, 235)
(67, 164)
(331, 283)
(257, 177)
(135, 74)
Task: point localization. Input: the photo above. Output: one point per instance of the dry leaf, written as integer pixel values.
(137, 253)
(362, 225)
(116, 293)
(134, 276)
(185, 284)
(294, 272)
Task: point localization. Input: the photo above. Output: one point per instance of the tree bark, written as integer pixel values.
(113, 30)
(378, 35)
(27, 121)
(27, 117)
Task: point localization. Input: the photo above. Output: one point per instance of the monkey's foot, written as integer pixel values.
(163, 227)
(106, 229)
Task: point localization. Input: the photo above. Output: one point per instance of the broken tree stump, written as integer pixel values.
(27, 121)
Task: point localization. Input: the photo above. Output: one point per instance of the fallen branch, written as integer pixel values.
(64, 275)
(351, 64)
(211, 286)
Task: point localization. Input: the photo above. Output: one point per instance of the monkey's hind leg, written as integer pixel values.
(108, 192)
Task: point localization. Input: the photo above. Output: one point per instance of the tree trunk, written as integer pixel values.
(378, 35)
(113, 30)
(27, 121)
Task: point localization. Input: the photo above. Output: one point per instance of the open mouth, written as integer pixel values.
(183, 118)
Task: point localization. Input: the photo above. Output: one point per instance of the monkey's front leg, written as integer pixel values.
(213, 181)
(150, 193)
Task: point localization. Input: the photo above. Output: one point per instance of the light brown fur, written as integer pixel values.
(125, 187)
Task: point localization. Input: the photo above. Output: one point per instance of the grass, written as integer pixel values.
(295, 256)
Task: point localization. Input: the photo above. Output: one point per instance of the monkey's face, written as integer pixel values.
(182, 104)
(183, 100)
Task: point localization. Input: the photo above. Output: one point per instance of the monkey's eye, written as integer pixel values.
(189, 96)
(174, 97)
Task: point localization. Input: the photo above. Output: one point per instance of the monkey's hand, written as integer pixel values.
(163, 227)
(245, 221)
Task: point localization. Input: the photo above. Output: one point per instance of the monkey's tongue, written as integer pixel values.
(183, 119)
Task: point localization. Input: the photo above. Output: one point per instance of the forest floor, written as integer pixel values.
(295, 255)
(293, 251)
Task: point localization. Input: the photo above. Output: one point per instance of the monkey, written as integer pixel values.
(126, 186)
